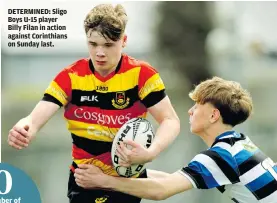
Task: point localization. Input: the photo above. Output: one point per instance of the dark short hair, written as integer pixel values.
(109, 21)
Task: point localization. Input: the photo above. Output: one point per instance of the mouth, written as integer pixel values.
(100, 62)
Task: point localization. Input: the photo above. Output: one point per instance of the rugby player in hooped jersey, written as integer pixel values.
(232, 163)
(99, 94)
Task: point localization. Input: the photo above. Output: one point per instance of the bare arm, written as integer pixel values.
(156, 174)
(42, 112)
(23, 131)
(159, 186)
(169, 126)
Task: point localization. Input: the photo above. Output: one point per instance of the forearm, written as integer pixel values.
(146, 188)
(156, 174)
(166, 133)
(42, 112)
(162, 186)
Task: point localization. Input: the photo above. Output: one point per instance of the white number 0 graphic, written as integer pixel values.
(8, 182)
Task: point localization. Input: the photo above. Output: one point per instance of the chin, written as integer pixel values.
(195, 130)
(101, 68)
(192, 130)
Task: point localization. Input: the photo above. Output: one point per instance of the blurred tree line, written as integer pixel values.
(182, 33)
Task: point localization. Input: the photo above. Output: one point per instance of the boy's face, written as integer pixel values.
(104, 53)
(200, 117)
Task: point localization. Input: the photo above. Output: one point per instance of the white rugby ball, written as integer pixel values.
(139, 130)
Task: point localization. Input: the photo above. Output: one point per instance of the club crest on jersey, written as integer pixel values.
(120, 101)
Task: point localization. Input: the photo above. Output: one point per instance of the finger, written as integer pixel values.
(94, 170)
(89, 168)
(16, 142)
(121, 154)
(22, 131)
(85, 166)
(12, 144)
(78, 176)
(120, 161)
(131, 143)
(19, 138)
(82, 176)
(125, 150)
(123, 163)
(79, 183)
(80, 171)
(18, 135)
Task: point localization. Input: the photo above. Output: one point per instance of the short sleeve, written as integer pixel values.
(151, 87)
(59, 90)
(212, 168)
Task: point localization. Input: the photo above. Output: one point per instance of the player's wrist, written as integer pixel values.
(152, 154)
(110, 182)
(154, 151)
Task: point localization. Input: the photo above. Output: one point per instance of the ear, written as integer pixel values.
(215, 115)
(124, 41)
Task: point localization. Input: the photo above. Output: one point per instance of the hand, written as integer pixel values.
(19, 136)
(89, 176)
(136, 155)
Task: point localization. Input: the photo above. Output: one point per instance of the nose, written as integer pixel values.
(190, 112)
(100, 52)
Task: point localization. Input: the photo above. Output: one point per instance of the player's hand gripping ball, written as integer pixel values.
(140, 131)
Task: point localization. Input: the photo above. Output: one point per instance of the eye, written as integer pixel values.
(93, 44)
(108, 45)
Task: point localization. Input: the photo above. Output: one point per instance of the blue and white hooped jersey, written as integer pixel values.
(237, 168)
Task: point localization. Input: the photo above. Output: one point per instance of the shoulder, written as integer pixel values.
(130, 62)
(218, 153)
(79, 67)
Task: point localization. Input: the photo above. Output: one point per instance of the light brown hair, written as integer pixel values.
(109, 21)
(234, 103)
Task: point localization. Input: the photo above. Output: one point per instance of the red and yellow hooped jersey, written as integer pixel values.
(96, 107)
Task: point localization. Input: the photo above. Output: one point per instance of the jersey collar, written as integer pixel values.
(230, 133)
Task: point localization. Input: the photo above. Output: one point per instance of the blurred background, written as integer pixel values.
(185, 41)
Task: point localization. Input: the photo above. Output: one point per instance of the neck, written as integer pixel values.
(105, 73)
(209, 135)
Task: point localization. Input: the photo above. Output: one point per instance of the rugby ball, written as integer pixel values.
(139, 130)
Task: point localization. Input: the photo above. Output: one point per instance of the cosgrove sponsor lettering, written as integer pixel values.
(102, 119)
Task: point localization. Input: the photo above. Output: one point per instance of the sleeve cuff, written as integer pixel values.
(188, 177)
(153, 98)
(50, 98)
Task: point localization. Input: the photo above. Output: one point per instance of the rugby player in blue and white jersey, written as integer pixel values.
(232, 163)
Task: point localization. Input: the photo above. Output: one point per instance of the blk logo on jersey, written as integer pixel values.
(91, 98)
(120, 101)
